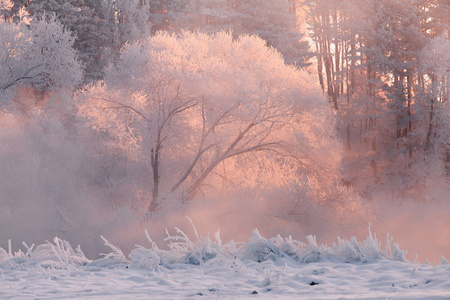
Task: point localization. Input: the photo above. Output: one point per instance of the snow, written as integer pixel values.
(276, 268)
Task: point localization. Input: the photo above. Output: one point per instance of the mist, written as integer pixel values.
(421, 228)
(295, 119)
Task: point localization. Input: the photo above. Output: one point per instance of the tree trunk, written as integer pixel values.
(155, 191)
(431, 120)
(348, 137)
(447, 161)
(154, 160)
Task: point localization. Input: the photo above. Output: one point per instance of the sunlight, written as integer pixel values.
(302, 119)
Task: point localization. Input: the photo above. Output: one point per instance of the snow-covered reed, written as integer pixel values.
(56, 255)
(184, 250)
(197, 250)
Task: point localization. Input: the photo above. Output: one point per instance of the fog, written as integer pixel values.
(32, 213)
(292, 119)
(422, 228)
(419, 228)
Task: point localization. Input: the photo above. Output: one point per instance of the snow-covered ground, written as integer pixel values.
(201, 267)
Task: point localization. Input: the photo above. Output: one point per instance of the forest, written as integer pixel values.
(117, 115)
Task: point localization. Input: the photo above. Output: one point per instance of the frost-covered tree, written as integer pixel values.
(274, 21)
(39, 55)
(433, 99)
(203, 111)
(375, 63)
(13, 10)
(89, 23)
(5, 8)
(277, 22)
(132, 20)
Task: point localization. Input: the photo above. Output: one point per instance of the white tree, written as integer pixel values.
(39, 55)
(384, 66)
(203, 109)
(434, 69)
(91, 22)
(274, 21)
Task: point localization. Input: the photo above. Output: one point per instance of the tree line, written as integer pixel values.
(169, 101)
(385, 67)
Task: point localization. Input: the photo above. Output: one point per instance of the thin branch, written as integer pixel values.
(121, 105)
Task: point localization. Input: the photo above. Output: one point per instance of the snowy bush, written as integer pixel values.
(204, 252)
(367, 250)
(261, 249)
(60, 254)
(183, 250)
(142, 257)
(57, 255)
(111, 260)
